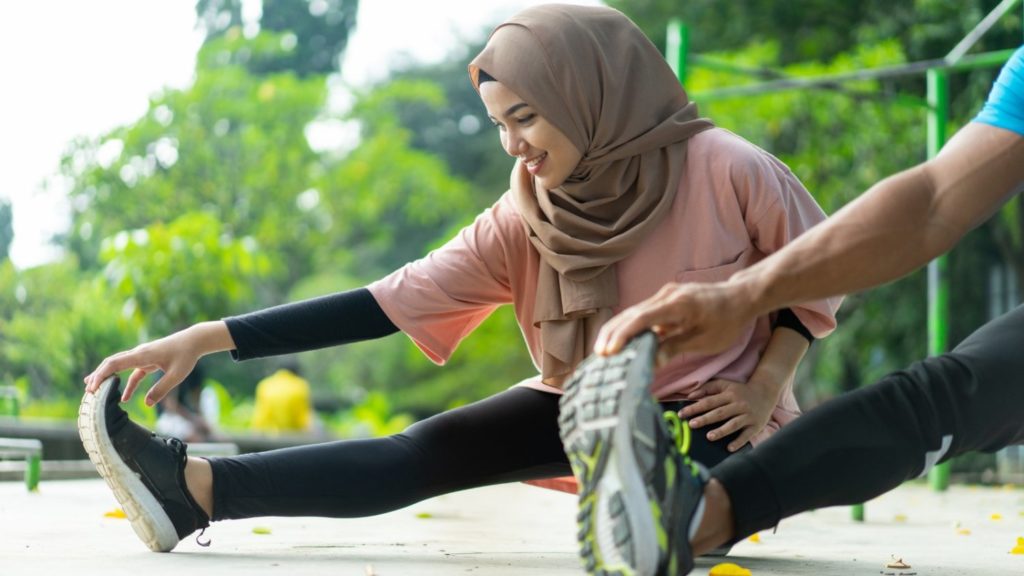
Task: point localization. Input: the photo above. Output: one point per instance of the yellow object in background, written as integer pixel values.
(283, 403)
(755, 538)
(728, 569)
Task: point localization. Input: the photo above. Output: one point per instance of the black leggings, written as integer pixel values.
(511, 436)
(866, 442)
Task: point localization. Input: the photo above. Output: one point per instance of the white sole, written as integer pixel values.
(618, 476)
(147, 516)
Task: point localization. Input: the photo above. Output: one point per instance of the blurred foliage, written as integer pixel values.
(371, 417)
(809, 30)
(460, 132)
(172, 276)
(56, 325)
(6, 229)
(316, 32)
(232, 145)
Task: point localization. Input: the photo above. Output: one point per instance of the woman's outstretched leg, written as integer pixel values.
(510, 436)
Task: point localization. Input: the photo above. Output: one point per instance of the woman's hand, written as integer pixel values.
(175, 355)
(744, 408)
(747, 408)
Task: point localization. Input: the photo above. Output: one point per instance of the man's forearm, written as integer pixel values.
(895, 227)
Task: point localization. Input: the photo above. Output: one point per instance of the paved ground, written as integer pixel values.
(502, 530)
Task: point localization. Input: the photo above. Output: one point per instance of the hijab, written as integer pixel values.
(596, 77)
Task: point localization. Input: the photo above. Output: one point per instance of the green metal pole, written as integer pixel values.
(677, 46)
(938, 284)
(33, 466)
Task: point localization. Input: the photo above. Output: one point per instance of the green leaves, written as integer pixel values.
(171, 276)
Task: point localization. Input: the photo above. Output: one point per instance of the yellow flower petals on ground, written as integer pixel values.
(728, 569)
(1019, 548)
(260, 530)
(115, 513)
(755, 538)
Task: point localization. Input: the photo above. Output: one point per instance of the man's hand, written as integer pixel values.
(700, 318)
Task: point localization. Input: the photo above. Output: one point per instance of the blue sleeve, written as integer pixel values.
(1005, 105)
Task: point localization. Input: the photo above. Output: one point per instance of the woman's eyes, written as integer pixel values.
(524, 121)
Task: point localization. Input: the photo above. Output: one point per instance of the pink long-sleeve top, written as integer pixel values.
(735, 205)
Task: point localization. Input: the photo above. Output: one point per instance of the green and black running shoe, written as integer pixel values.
(640, 495)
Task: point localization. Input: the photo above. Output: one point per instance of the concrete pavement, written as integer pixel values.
(500, 530)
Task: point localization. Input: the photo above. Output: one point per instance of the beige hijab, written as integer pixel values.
(595, 76)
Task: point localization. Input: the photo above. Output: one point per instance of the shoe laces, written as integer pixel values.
(680, 432)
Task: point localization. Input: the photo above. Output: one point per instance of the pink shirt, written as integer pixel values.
(736, 204)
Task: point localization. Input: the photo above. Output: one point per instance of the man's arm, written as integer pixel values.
(898, 225)
(894, 228)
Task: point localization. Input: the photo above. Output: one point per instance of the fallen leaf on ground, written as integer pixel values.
(1019, 548)
(115, 513)
(897, 563)
(728, 569)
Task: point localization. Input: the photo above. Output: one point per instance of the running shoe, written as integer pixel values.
(640, 494)
(145, 471)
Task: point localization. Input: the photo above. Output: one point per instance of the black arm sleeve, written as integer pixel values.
(308, 325)
(787, 319)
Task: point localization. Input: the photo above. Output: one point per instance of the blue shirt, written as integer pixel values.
(1005, 105)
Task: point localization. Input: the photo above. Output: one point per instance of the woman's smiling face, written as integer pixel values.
(547, 153)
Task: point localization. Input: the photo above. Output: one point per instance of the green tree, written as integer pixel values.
(171, 276)
(318, 30)
(55, 325)
(459, 132)
(232, 145)
(6, 229)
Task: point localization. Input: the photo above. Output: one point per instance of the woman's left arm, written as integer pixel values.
(747, 407)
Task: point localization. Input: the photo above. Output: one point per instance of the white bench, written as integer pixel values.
(213, 449)
(31, 451)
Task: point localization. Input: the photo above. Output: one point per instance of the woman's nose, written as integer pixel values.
(514, 144)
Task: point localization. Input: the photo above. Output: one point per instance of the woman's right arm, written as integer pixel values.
(175, 355)
(332, 320)
(297, 327)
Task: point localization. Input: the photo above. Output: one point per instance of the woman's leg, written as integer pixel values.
(510, 436)
(866, 442)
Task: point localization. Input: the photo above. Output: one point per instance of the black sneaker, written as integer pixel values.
(145, 471)
(639, 493)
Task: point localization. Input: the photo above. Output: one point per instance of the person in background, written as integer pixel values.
(283, 402)
(180, 414)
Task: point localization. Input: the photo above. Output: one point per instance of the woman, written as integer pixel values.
(617, 188)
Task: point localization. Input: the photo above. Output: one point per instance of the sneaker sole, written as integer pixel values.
(611, 451)
(147, 516)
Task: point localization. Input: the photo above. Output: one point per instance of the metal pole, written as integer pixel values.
(677, 46)
(938, 285)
